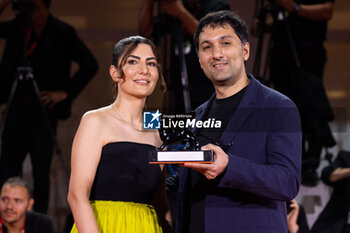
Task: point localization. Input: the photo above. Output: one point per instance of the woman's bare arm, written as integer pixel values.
(86, 153)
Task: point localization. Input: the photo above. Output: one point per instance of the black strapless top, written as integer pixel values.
(124, 174)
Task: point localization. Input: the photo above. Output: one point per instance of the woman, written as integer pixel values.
(112, 186)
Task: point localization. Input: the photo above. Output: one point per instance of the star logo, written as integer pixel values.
(155, 115)
(151, 120)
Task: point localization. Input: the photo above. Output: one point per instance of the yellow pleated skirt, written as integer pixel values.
(124, 217)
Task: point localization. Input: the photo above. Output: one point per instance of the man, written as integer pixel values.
(187, 13)
(257, 163)
(335, 217)
(307, 23)
(49, 46)
(15, 204)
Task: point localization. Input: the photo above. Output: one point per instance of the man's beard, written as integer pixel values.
(14, 214)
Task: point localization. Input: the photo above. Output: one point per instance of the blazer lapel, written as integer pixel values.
(202, 110)
(244, 109)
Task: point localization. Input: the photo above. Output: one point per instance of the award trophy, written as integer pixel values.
(190, 153)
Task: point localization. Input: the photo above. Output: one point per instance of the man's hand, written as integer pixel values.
(286, 4)
(50, 98)
(173, 8)
(339, 174)
(211, 171)
(292, 217)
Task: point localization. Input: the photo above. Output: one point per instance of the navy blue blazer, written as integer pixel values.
(263, 171)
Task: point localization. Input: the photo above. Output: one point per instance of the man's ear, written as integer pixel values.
(115, 74)
(30, 205)
(246, 51)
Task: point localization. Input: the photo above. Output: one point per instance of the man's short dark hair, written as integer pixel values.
(222, 19)
(18, 181)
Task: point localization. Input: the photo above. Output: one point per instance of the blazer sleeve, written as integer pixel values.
(88, 65)
(339, 162)
(279, 176)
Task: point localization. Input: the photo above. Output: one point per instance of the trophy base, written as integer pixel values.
(163, 157)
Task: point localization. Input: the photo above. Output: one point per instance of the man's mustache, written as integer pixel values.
(216, 61)
(10, 211)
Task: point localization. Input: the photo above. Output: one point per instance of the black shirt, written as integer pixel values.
(36, 223)
(220, 109)
(302, 29)
(57, 47)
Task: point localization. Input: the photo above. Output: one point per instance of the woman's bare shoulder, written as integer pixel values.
(96, 115)
(95, 119)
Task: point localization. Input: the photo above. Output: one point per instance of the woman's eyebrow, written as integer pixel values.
(137, 57)
(150, 58)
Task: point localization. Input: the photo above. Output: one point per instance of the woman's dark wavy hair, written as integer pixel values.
(222, 19)
(125, 46)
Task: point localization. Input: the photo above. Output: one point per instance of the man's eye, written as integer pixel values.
(226, 43)
(206, 47)
(19, 201)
